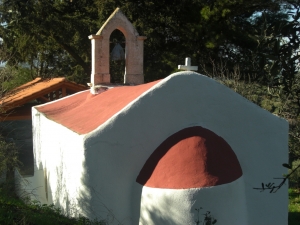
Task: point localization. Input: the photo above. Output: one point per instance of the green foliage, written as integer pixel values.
(8, 155)
(294, 139)
(294, 206)
(264, 45)
(12, 77)
(8, 162)
(277, 52)
(294, 179)
(15, 211)
(51, 36)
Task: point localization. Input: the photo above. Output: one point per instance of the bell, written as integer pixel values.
(117, 53)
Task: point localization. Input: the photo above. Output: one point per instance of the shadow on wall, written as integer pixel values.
(227, 204)
(164, 214)
(63, 197)
(143, 214)
(108, 205)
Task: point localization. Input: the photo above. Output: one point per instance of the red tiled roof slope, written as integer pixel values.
(85, 112)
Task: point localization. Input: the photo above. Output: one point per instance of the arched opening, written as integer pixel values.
(117, 56)
(193, 157)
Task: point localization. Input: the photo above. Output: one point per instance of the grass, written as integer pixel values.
(13, 211)
(294, 206)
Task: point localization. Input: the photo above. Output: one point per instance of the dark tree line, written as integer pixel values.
(262, 37)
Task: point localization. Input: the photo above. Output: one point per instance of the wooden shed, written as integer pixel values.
(15, 112)
(16, 104)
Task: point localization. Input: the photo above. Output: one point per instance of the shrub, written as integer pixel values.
(294, 179)
(8, 162)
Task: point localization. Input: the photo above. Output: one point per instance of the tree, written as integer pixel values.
(50, 36)
(193, 28)
(8, 150)
(8, 162)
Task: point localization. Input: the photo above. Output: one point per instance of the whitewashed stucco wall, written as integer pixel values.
(171, 206)
(125, 142)
(102, 166)
(59, 164)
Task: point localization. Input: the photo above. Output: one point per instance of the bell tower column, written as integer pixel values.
(135, 61)
(100, 61)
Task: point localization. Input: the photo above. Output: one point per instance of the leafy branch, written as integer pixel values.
(274, 188)
(208, 218)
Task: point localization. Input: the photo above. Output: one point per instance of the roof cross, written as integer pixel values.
(187, 65)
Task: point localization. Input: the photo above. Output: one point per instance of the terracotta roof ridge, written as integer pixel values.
(73, 82)
(24, 86)
(30, 84)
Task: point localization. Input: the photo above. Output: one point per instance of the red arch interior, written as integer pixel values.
(191, 158)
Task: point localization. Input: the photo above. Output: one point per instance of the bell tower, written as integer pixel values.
(134, 51)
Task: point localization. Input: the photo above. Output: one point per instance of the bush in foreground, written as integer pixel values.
(14, 211)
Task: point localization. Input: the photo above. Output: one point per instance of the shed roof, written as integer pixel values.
(45, 90)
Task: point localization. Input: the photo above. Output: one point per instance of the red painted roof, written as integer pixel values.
(191, 158)
(84, 112)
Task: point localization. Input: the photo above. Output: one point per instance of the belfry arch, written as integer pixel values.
(117, 57)
(134, 51)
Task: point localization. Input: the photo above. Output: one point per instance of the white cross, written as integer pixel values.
(187, 65)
